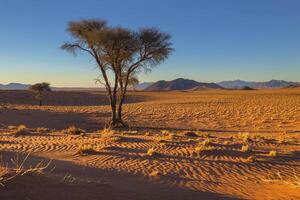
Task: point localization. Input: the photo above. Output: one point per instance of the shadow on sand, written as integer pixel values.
(92, 184)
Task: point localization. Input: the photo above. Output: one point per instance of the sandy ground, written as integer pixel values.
(208, 164)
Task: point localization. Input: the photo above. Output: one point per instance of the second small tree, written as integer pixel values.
(39, 89)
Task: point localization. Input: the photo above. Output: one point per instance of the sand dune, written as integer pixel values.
(208, 163)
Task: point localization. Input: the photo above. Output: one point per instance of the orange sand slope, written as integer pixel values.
(181, 145)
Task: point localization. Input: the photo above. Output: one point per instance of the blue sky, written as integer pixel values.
(214, 40)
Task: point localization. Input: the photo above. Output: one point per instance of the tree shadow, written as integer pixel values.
(92, 183)
(53, 120)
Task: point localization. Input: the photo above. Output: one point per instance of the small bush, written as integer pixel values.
(41, 129)
(245, 148)
(107, 131)
(151, 152)
(72, 130)
(250, 159)
(154, 174)
(21, 130)
(190, 134)
(273, 153)
(206, 142)
(86, 150)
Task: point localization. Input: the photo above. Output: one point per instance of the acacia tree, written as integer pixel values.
(39, 89)
(120, 54)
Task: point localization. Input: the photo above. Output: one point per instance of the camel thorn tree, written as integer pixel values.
(39, 89)
(120, 54)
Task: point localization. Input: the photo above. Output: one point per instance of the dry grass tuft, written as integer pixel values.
(273, 153)
(190, 134)
(20, 130)
(152, 152)
(86, 150)
(245, 148)
(245, 137)
(107, 131)
(73, 130)
(206, 142)
(276, 177)
(204, 146)
(250, 159)
(154, 174)
(19, 169)
(41, 130)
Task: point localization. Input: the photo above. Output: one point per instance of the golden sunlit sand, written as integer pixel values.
(214, 144)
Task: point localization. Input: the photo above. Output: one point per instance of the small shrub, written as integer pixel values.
(190, 134)
(273, 153)
(258, 138)
(245, 148)
(250, 159)
(206, 142)
(21, 130)
(107, 131)
(282, 140)
(72, 130)
(86, 150)
(154, 174)
(151, 152)
(226, 142)
(41, 129)
(245, 137)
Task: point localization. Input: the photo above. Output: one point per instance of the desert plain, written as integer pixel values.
(213, 144)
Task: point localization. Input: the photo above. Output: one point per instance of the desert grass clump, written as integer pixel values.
(152, 152)
(107, 131)
(154, 174)
(18, 169)
(282, 139)
(206, 142)
(20, 130)
(226, 142)
(251, 159)
(245, 148)
(273, 153)
(73, 130)
(86, 150)
(245, 137)
(41, 130)
(258, 138)
(190, 134)
(206, 145)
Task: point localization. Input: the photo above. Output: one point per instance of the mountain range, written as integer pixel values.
(181, 84)
(268, 84)
(14, 86)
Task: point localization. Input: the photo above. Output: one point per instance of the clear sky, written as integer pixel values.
(214, 39)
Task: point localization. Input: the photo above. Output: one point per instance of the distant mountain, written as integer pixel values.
(14, 86)
(181, 84)
(142, 86)
(267, 84)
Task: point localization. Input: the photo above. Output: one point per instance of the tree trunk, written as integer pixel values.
(40, 99)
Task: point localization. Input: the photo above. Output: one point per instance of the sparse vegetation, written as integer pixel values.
(273, 153)
(86, 150)
(245, 148)
(20, 130)
(18, 169)
(73, 130)
(152, 152)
